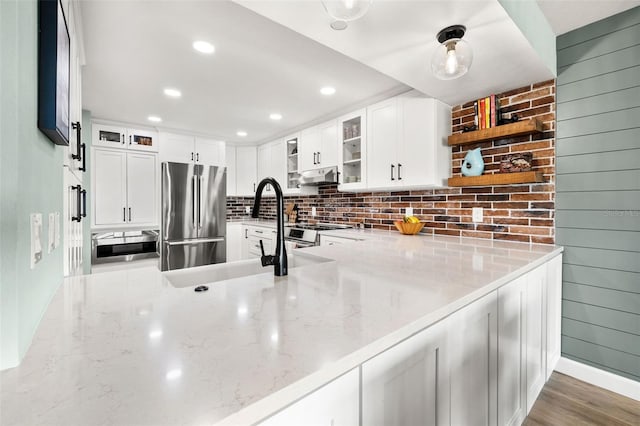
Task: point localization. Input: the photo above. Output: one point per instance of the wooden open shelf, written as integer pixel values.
(519, 128)
(497, 179)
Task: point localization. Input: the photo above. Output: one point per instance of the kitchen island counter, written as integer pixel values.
(130, 348)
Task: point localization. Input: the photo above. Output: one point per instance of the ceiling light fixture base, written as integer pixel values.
(454, 31)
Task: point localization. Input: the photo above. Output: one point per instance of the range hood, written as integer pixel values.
(317, 177)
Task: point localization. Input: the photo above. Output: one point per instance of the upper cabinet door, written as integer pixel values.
(109, 136)
(279, 162)
(328, 154)
(352, 151)
(246, 170)
(416, 150)
(142, 189)
(177, 148)
(142, 140)
(308, 148)
(230, 161)
(210, 152)
(110, 187)
(382, 122)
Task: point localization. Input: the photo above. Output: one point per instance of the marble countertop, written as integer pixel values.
(127, 347)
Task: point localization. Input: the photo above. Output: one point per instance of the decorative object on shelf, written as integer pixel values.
(473, 164)
(520, 128)
(513, 118)
(345, 11)
(496, 179)
(471, 128)
(452, 59)
(53, 72)
(408, 228)
(514, 163)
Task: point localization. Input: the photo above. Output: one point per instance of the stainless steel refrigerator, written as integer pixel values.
(193, 221)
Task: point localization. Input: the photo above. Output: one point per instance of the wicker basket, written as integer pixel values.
(408, 228)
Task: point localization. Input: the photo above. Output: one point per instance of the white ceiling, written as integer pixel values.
(568, 15)
(274, 56)
(136, 48)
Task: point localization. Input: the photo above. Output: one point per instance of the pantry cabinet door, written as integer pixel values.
(406, 384)
(335, 404)
(382, 131)
(110, 187)
(473, 372)
(142, 188)
(512, 386)
(536, 333)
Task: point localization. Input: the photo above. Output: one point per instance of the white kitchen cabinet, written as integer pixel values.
(329, 240)
(319, 146)
(125, 188)
(188, 149)
(352, 151)
(230, 162)
(272, 159)
(234, 241)
(72, 224)
(114, 136)
(407, 384)
(246, 171)
(473, 363)
(250, 241)
(535, 333)
(553, 313)
(335, 404)
(292, 185)
(406, 143)
(512, 377)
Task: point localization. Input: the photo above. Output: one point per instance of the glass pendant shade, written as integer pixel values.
(346, 10)
(452, 59)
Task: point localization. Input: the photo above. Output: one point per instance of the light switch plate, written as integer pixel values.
(313, 212)
(247, 209)
(408, 211)
(36, 239)
(56, 242)
(476, 214)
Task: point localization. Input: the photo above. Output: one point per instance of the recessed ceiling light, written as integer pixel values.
(241, 133)
(154, 118)
(204, 47)
(328, 91)
(275, 116)
(172, 93)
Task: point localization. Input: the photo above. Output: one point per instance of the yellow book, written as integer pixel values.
(487, 112)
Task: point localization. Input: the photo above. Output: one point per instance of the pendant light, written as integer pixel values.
(346, 10)
(452, 59)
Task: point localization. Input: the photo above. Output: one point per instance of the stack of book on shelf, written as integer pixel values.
(487, 112)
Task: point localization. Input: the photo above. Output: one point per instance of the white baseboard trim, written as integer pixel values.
(604, 379)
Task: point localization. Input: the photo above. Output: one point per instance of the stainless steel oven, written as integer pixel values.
(123, 246)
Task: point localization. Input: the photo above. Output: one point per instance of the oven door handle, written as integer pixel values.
(198, 241)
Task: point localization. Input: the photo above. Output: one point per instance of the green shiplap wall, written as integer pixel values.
(31, 181)
(598, 192)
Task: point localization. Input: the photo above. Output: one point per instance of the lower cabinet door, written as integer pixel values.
(512, 386)
(536, 333)
(407, 384)
(335, 404)
(473, 370)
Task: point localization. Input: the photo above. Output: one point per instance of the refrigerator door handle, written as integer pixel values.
(193, 202)
(196, 241)
(199, 201)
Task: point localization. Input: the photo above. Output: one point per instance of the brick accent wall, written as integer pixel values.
(514, 212)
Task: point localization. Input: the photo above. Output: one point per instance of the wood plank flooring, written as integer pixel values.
(568, 401)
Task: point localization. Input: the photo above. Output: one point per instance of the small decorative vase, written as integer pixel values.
(473, 165)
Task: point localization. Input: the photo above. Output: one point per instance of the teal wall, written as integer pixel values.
(598, 192)
(528, 16)
(31, 181)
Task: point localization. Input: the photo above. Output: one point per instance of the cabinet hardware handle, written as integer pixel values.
(129, 139)
(124, 214)
(338, 177)
(84, 203)
(399, 170)
(129, 214)
(78, 216)
(192, 156)
(246, 233)
(198, 156)
(318, 157)
(122, 138)
(254, 187)
(314, 158)
(392, 167)
(76, 126)
(83, 148)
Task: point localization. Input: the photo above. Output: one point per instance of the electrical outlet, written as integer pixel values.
(36, 239)
(247, 209)
(408, 211)
(313, 212)
(476, 214)
(51, 244)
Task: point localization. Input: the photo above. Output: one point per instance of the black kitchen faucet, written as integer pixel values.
(279, 259)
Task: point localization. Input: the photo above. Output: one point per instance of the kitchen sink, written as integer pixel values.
(208, 274)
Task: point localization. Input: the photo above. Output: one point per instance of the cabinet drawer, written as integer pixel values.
(254, 245)
(259, 232)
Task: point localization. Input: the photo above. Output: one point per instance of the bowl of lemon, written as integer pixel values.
(409, 225)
